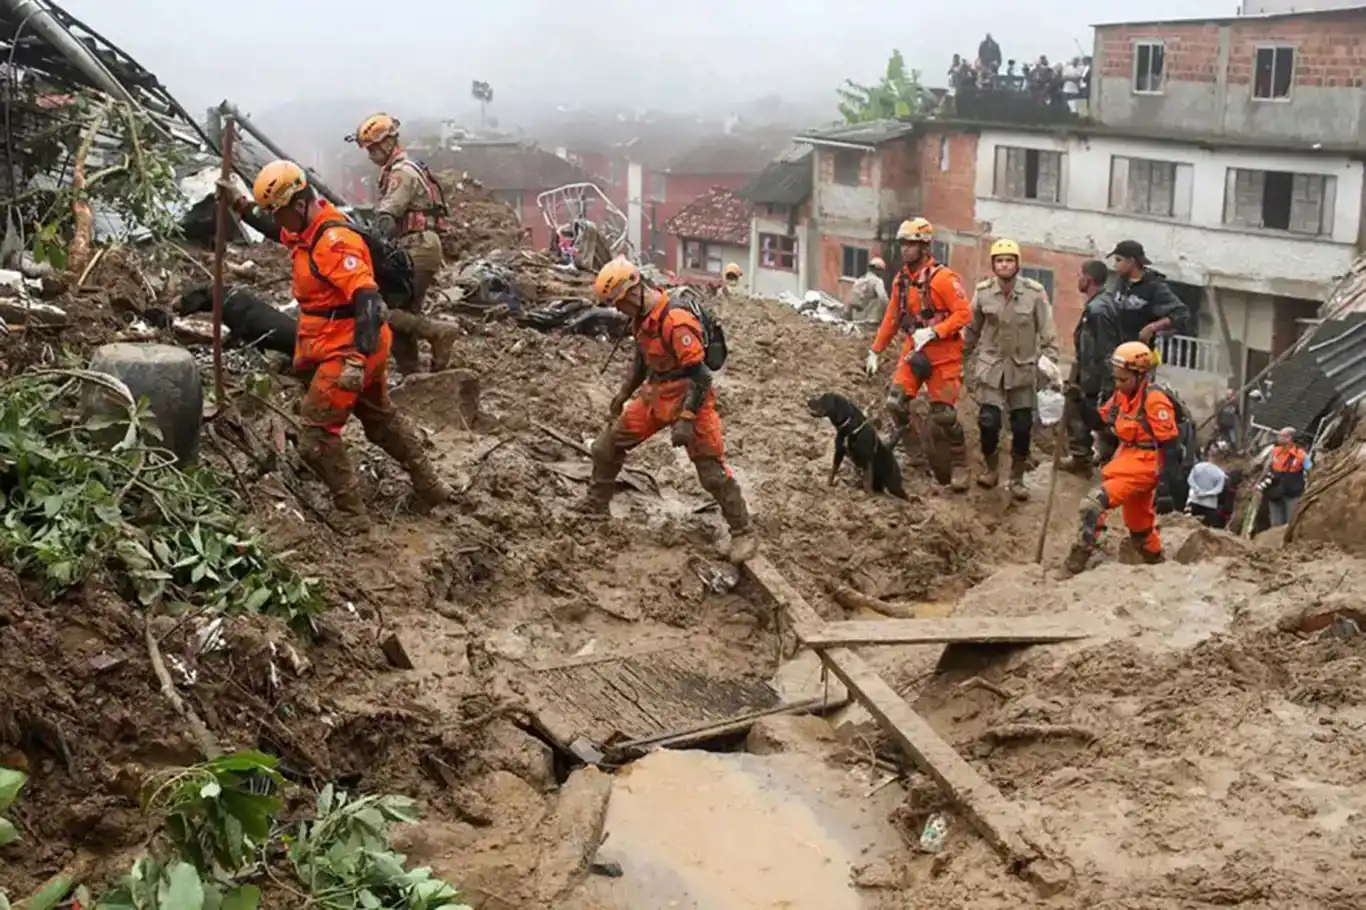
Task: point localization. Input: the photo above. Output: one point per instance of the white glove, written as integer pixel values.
(870, 365)
(1051, 372)
(924, 336)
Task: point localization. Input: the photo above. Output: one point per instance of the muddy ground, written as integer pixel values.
(1170, 804)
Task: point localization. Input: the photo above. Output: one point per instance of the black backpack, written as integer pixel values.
(1173, 484)
(713, 333)
(393, 266)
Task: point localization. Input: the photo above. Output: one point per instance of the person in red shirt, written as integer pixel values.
(928, 304)
(669, 386)
(343, 342)
(1143, 419)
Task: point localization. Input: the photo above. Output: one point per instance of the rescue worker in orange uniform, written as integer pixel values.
(411, 210)
(343, 340)
(1143, 420)
(929, 305)
(669, 386)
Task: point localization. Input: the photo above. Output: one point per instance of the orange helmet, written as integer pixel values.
(277, 185)
(915, 230)
(1134, 356)
(615, 280)
(375, 130)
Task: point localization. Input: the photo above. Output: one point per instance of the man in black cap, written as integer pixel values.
(1146, 304)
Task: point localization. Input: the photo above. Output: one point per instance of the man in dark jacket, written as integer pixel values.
(989, 55)
(1091, 381)
(1146, 304)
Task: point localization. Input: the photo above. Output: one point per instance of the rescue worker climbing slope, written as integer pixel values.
(343, 340)
(669, 386)
(929, 305)
(411, 209)
(1012, 337)
(1143, 420)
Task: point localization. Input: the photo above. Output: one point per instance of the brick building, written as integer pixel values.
(710, 233)
(781, 231)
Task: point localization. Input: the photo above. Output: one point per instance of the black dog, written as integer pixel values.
(876, 463)
(252, 321)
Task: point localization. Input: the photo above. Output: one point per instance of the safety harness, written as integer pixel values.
(928, 315)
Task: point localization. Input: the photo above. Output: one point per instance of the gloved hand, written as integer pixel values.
(352, 378)
(618, 403)
(236, 200)
(870, 365)
(371, 314)
(1265, 484)
(1051, 372)
(684, 431)
(922, 337)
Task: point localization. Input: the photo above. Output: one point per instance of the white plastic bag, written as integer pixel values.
(1050, 406)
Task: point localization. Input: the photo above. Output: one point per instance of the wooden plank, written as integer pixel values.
(998, 820)
(975, 629)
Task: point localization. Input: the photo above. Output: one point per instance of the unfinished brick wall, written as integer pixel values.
(948, 197)
(1190, 51)
(1330, 50)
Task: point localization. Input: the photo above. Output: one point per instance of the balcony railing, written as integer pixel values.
(1199, 354)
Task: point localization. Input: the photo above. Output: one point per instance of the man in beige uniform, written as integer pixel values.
(1013, 337)
(868, 296)
(411, 209)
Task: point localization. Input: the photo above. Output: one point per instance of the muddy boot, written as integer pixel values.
(711, 473)
(406, 328)
(992, 474)
(442, 339)
(1076, 464)
(396, 435)
(1076, 560)
(608, 461)
(326, 455)
(1153, 559)
(1018, 491)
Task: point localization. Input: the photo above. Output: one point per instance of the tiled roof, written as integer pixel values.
(870, 134)
(719, 215)
(786, 180)
(509, 166)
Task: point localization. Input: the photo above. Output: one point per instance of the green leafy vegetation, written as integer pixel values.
(897, 95)
(80, 495)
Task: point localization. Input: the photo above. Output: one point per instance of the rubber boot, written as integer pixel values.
(1076, 464)
(744, 544)
(1018, 491)
(1153, 559)
(396, 435)
(442, 339)
(602, 486)
(1076, 560)
(992, 475)
(958, 459)
(406, 328)
(326, 454)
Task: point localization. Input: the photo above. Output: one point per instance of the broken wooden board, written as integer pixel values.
(974, 629)
(644, 697)
(997, 819)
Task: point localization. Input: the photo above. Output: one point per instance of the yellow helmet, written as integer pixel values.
(916, 230)
(732, 270)
(277, 185)
(374, 130)
(615, 280)
(1005, 247)
(1134, 356)
(1157, 357)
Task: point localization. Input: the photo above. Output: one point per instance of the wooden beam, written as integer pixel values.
(976, 629)
(997, 819)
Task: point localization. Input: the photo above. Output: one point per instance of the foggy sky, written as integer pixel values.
(418, 57)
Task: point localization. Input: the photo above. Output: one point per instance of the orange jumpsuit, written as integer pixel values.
(1142, 422)
(948, 313)
(670, 341)
(327, 322)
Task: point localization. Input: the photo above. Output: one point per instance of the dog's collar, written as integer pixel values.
(841, 426)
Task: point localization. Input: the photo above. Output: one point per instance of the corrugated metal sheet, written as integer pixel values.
(1330, 371)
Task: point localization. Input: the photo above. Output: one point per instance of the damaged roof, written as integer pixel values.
(785, 181)
(859, 135)
(719, 215)
(1328, 373)
(510, 166)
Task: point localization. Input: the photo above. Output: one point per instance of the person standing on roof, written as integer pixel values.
(669, 386)
(343, 340)
(1143, 419)
(1285, 478)
(1090, 382)
(1146, 304)
(929, 305)
(868, 296)
(411, 210)
(1012, 336)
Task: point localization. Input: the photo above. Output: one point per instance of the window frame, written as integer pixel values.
(1045, 277)
(1327, 202)
(848, 156)
(845, 251)
(1275, 50)
(703, 252)
(784, 240)
(1138, 46)
(1129, 162)
(938, 247)
(1001, 172)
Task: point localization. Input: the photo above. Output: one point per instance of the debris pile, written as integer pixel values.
(480, 222)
